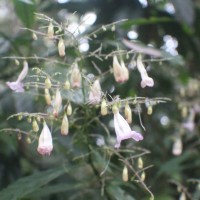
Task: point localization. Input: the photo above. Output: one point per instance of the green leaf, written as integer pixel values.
(25, 11)
(118, 193)
(29, 184)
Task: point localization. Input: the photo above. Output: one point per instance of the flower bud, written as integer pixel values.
(61, 47)
(115, 109)
(117, 69)
(140, 163)
(143, 175)
(65, 125)
(20, 117)
(50, 31)
(34, 36)
(95, 93)
(184, 111)
(75, 77)
(177, 147)
(35, 126)
(125, 174)
(48, 83)
(45, 143)
(69, 109)
(182, 196)
(17, 62)
(67, 85)
(128, 113)
(125, 72)
(149, 110)
(104, 109)
(57, 103)
(47, 97)
(29, 119)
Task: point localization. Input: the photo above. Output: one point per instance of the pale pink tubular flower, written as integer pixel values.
(123, 130)
(146, 80)
(17, 85)
(95, 93)
(121, 73)
(57, 103)
(45, 143)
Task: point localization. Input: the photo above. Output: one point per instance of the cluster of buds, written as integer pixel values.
(121, 73)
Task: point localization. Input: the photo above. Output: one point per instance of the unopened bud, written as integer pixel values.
(67, 85)
(57, 103)
(28, 140)
(17, 62)
(104, 28)
(48, 83)
(182, 196)
(125, 174)
(113, 28)
(19, 136)
(50, 31)
(38, 119)
(29, 119)
(35, 126)
(61, 47)
(184, 111)
(128, 113)
(20, 117)
(104, 109)
(47, 97)
(143, 175)
(69, 109)
(34, 36)
(177, 147)
(75, 77)
(140, 163)
(115, 109)
(149, 110)
(65, 125)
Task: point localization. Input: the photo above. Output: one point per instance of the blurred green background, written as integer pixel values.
(74, 170)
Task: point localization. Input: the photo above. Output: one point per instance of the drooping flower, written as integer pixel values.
(57, 103)
(146, 80)
(123, 130)
(75, 77)
(121, 73)
(45, 143)
(17, 85)
(95, 93)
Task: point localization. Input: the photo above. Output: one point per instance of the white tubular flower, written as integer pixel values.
(57, 103)
(146, 80)
(17, 85)
(121, 73)
(45, 144)
(123, 130)
(75, 77)
(95, 93)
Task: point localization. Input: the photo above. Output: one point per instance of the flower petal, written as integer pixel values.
(16, 86)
